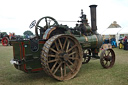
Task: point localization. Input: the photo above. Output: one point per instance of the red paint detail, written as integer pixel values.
(96, 51)
(29, 42)
(14, 42)
(20, 52)
(23, 49)
(25, 68)
(41, 42)
(38, 69)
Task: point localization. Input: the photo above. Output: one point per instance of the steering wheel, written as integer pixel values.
(32, 24)
(49, 22)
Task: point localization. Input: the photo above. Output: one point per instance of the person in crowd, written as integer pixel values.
(125, 43)
(10, 36)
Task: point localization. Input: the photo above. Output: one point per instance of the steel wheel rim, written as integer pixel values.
(64, 58)
(107, 59)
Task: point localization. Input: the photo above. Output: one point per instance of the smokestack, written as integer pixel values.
(93, 17)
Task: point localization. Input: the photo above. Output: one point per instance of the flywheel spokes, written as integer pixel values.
(107, 58)
(62, 57)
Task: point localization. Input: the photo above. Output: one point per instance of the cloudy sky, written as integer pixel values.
(16, 15)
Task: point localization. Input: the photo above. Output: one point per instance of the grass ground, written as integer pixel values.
(89, 74)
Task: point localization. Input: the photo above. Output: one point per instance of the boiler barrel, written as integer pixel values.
(93, 41)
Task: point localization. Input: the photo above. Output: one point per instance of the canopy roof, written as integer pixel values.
(123, 31)
(111, 31)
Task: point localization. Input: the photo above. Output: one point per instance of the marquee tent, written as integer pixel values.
(112, 32)
(115, 31)
(123, 31)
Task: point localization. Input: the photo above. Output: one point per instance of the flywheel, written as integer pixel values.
(61, 57)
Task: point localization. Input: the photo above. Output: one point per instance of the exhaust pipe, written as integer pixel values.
(93, 18)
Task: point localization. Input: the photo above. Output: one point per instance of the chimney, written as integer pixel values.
(93, 18)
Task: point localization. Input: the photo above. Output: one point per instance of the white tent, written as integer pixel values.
(115, 30)
(112, 32)
(123, 31)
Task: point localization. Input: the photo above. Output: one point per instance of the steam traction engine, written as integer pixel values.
(5, 38)
(60, 50)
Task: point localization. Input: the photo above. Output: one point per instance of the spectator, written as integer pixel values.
(125, 38)
(10, 36)
(125, 43)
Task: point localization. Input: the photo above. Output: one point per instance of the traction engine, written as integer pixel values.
(59, 50)
(5, 38)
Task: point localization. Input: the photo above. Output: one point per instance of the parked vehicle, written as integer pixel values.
(60, 50)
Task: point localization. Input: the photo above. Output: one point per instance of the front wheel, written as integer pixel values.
(107, 58)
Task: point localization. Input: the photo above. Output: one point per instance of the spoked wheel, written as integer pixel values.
(5, 41)
(62, 57)
(86, 56)
(107, 58)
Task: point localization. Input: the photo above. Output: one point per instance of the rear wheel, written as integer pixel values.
(62, 57)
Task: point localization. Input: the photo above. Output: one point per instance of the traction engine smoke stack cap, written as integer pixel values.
(93, 18)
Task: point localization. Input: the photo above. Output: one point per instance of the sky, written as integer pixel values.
(17, 15)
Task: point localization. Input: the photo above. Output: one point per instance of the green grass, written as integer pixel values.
(89, 74)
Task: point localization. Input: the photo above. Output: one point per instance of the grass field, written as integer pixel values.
(89, 74)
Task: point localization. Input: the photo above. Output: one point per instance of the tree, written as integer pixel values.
(28, 33)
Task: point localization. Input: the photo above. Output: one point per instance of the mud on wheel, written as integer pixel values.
(62, 57)
(107, 58)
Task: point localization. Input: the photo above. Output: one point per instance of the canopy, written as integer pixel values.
(123, 31)
(111, 31)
